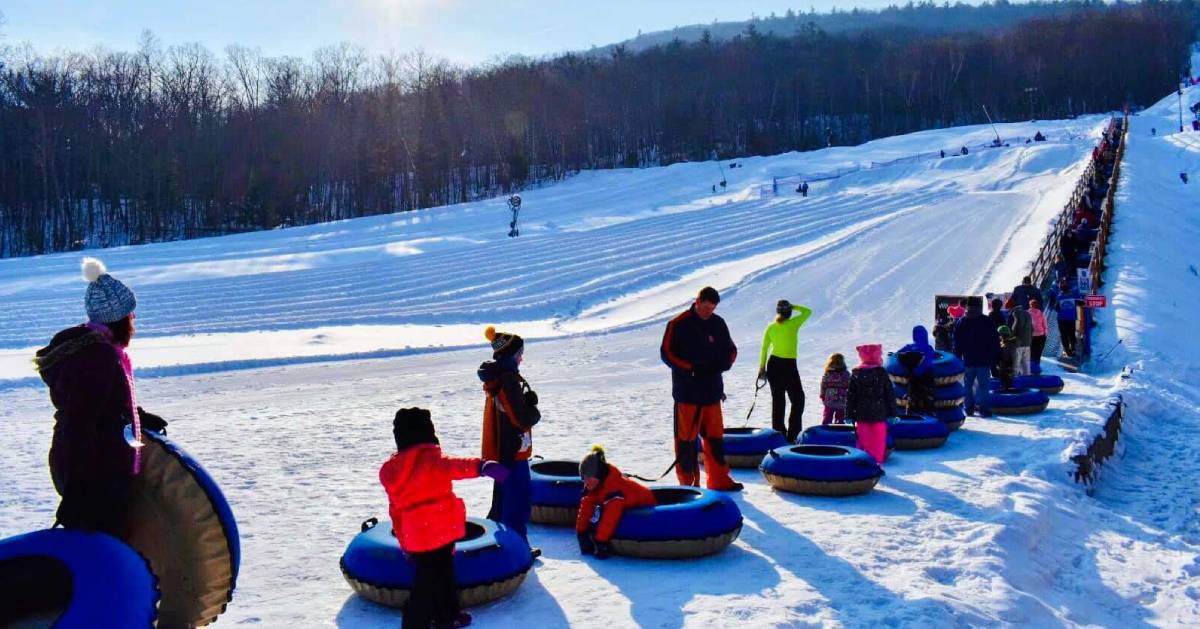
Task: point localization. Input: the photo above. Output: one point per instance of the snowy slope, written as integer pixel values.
(984, 531)
(599, 251)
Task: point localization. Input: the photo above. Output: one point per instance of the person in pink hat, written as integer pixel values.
(871, 401)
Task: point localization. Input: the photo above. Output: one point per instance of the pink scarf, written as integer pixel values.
(127, 367)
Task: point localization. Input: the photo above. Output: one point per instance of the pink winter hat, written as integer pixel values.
(871, 355)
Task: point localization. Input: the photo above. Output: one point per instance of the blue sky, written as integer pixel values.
(465, 31)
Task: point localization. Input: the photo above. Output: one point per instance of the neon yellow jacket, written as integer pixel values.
(779, 339)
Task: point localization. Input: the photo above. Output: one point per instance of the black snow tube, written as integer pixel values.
(71, 578)
(490, 562)
(745, 447)
(181, 522)
(821, 470)
(1019, 401)
(947, 369)
(555, 490)
(687, 522)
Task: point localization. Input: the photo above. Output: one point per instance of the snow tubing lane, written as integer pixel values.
(821, 470)
(837, 435)
(490, 562)
(746, 447)
(947, 369)
(1048, 384)
(1019, 401)
(687, 522)
(952, 417)
(555, 490)
(945, 396)
(184, 527)
(918, 432)
(73, 578)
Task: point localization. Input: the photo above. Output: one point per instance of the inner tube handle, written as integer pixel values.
(369, 524)
(773, 454)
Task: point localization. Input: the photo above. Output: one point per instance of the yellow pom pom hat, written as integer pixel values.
(504, 344)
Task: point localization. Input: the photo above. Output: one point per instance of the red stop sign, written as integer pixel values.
(1095, 301)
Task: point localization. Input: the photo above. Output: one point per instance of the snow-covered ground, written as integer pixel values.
(344, 322)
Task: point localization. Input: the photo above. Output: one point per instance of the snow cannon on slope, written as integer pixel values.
(72, 578)
(821, 470)
(490, 562)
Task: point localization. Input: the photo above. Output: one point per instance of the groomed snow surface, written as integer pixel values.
(280, 358)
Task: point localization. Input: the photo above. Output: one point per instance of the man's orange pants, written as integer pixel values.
(707, 423)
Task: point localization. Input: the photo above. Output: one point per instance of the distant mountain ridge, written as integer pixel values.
(925, 17)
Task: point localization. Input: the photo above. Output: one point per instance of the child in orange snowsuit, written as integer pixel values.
(606, 496)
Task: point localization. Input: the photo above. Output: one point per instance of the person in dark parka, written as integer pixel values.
(977, 343)
(90, 379)
(697, 347)
(1026, 292)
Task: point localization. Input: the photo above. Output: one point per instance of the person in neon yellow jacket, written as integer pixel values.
(777, 365)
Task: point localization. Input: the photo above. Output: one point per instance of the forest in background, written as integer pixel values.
(106, 148)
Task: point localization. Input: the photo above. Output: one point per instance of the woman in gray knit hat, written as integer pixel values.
(91, 385)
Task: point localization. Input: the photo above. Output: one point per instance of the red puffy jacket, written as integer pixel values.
(613, 496)
(426, 514)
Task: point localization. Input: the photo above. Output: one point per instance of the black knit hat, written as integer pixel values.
(413, 426)
(503, 343)
(709, 294)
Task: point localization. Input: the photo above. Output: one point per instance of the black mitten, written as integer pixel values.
(586, 545)
(152, 422)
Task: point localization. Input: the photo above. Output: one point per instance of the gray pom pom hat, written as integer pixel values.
(107, 300)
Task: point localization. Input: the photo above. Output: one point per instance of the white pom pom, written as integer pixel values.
(93, 269)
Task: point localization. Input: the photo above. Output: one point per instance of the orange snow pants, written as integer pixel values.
(706, 422)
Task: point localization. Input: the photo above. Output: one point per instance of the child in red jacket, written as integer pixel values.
(427, 517)
(606, 496)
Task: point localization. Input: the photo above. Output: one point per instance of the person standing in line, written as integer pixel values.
(1038, 345)
(835, 388)
(510, 411)
(1026, 291)
(871, 401)
(777, 365)
(697, 347)
(1021, 325)
(1062, 300)
(977, 344)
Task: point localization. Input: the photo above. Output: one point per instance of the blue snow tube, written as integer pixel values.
(555, 490)
(687, 522)
(945, 396)
(745, 447)
(822, 470)
(1019, 401)
(73, 578)
(836, 435)
(952, 417)
(490, 562)
(182, 524)
(1046, 383)
(947, 368)
(918, 432)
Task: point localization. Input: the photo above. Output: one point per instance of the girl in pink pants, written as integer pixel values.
(870, 401)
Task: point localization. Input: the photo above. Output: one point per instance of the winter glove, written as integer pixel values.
(603, 550)
(531, 398)
(762, 374)
(152, 422)
(586, 545)
(493, 470)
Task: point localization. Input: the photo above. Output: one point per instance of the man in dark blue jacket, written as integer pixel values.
(698, 349)
(1022, 294)
(978, 345)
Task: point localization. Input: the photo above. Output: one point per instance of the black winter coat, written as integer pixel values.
(871, 397)
(1025, 292)
(90, 462)
(510, 393)
(976, 341)
(698, 352)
